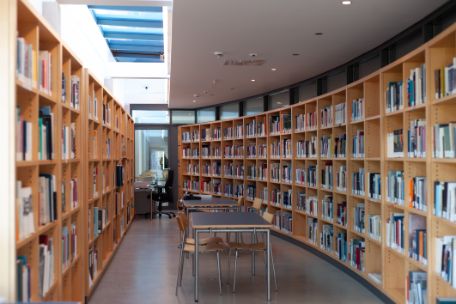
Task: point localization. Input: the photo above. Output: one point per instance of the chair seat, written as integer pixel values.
(245, 246)
(204, 241)
(210, 247)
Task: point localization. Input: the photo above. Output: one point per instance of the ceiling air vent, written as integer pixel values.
(248, 62)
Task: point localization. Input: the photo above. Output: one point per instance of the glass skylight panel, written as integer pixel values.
(131, 29)
(116, 14)
(135, 42)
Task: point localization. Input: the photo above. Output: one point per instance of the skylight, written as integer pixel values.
(134, 34)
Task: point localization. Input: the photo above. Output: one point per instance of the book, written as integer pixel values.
(417, 191)
(46, 134)
(26, 66)
(326, 237)
(445, 200)
(358, 182)
(445, 80)
(47, 198)
(341, 246)
(416, 86)
(374, 226)
(358, 144)
(395, 231)
(444, 143)
(394, 97)
(24, 137)
(46, 264)
(418, 238)
(395, 187)
(416, 135)
(45, 72)
(326, 117)
(25, 223)
(340, 145)
(356, 253)
(340, 114)
(357, 109)
(359, 214)
(395, 144)
(374, 183)
(327, 208)
(23, 279)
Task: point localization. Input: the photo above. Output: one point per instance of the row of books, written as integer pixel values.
(284, 221)
(100, 220)
(69, 141)
(341, 178)
(26, 65)
(327, 176)
(340, 114)
(416, 86)
(358, 217)
(418, 238)
(23, 279)
(236, 151)
(445, 200)
(45, 72)
(395, 144)
(307, 121)
(374, 227)
(46, 134)
(46, 264)
(326, 117)
(286, 122)
(357, 109)
(445, 80)
(274, 124)
(93, 264)
(395, 190)
(358, 182)
(327, 208)
(341, 245)
(307, 148)
(358, 144)
(189, 152)
(47, 198)
(340, 145)
(106, 114)
(72, 194)
(306, 176)
(74, 92)
(417, 287)
(287, 151)
(395, 231)
(69, 245)
(416, 136)
(444, 140)
(394, 97)
(24, 137)
(357, 253)
(255, 128)
(194, 169)
(233, 170)
(93, 106)
(325, 146)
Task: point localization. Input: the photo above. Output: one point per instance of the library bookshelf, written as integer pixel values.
(74, 162)
(351, 173)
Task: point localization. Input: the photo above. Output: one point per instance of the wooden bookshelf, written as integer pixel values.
(68, 92)
(364, 112)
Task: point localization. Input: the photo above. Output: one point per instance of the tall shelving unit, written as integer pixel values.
(352, 174)
(56, 104)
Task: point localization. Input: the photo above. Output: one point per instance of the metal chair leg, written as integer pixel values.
(229, 265)
(219, 272)
(235, 270)
(179, 269)
(274, 271)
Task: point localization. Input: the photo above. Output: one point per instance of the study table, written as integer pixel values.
(212, 222)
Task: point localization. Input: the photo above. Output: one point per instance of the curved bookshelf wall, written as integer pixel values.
(363, 174)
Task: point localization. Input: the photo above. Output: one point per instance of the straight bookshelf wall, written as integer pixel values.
(57, 102)
(364, 174)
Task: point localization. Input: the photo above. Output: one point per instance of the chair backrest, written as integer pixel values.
(256, 203)
(239, 202)
(268, 217)
(169, 179)
(180, 223)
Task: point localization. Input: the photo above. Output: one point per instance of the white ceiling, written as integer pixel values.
(274, 29)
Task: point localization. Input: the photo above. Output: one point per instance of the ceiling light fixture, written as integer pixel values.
(193, 100)
(318, 34)
(346, 2)
(196, 95)
(273, 69)
(295, 54)
(252, 80)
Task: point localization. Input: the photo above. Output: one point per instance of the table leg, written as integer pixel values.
(196, 256)
(268, 263)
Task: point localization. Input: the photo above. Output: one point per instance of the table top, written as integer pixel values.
(210, 202)
(207, 220)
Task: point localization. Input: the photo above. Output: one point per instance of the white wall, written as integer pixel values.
(135, 91)
(84, 38)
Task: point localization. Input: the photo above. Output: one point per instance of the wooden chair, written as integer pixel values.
(254, 247)
(203, 241)
(189, 248)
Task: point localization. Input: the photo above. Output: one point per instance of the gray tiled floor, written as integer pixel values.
(144, 271)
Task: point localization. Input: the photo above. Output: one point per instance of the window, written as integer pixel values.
(151, 154)
(150, 116)
(206, 115)
(254, 106)
(230, 110)
(182, 117)
(279, 100)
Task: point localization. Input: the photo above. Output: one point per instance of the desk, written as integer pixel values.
(209, 203)
(208, 222)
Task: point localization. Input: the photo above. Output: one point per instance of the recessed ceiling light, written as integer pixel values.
(279, 102)
(318, 33)
(193, 100)
(196, 95)
(252, 80)
(346, 2)
(295, 54)
(273, 69)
